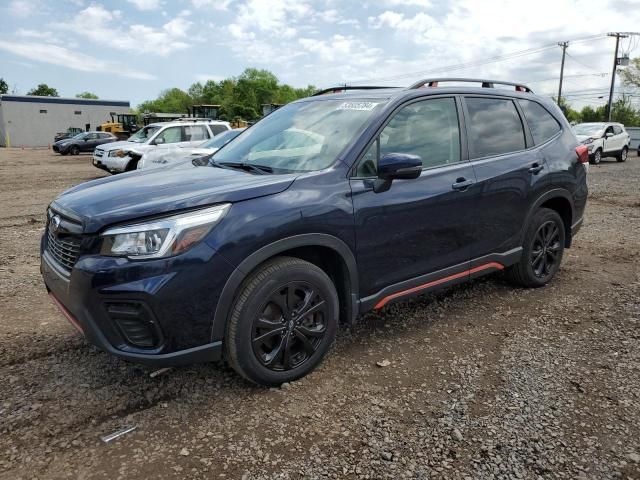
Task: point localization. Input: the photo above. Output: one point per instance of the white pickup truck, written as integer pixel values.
(124, 156)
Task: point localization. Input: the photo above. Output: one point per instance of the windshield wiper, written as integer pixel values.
(259, 169)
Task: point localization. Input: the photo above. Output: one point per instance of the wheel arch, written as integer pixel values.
(329, 253)
(559, 200)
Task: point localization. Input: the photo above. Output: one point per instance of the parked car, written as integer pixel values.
(329, 207)
(124, 156)
(162, 157)
(604, 140)
(83, 142)
(70, 132)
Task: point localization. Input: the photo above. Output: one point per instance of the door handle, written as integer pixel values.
(535, 168)
(462, 184)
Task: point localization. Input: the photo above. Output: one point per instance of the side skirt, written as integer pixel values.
(442, 278)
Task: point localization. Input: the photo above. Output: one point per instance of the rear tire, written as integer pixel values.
(624, 153)
(597, 157)
(542, 250)
(283, 322)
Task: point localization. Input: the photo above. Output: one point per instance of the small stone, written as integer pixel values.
(383, 363)
(387, 456)
(184, 452)
(634, 457)
(285, 386)
(457, 435)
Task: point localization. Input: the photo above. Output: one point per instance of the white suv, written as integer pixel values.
(123, 156)
(604, 140)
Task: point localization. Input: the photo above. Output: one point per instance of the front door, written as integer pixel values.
(418, 226)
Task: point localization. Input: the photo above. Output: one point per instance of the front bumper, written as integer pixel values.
(180, 297)
(110, 164)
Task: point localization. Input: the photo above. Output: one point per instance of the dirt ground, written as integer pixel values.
(484, 381)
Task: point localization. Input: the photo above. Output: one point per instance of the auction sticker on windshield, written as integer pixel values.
(357, 106)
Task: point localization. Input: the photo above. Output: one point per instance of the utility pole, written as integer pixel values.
(564, 46)
(618, 36)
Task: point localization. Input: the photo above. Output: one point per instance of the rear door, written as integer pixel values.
(508, 171)
(196, 134)
(418, 226)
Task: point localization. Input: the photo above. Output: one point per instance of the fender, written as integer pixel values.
(225, 302)
(548, 195)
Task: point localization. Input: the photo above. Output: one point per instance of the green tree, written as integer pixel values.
(43, 90)
(624, 113)
(172, 100)
(4, 87)
(631, 75)
(238, 97)
(88, 95)
(570, 113)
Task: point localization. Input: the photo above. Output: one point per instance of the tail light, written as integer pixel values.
(583, 153)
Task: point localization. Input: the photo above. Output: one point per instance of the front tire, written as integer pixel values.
(597, 157)
(75, 150)
(283, 322)
(624, 153)
(542, 250)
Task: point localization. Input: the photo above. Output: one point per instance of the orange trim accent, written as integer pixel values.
(66, 313)
(433, 283)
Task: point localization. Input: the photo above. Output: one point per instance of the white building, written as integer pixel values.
(32, 121)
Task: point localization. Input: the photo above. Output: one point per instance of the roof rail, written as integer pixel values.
(348, 87)
(433, 82)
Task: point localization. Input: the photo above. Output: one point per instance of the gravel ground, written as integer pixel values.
(483, 380)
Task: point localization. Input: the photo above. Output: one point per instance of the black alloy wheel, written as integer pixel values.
(542, 250)
(546, 247)
(290, 327)
(75, 150)
(283, 321)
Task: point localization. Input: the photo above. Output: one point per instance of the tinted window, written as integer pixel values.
(494, 127)
(216, 129)
(608, 130)
(542, 124)
(428, 129)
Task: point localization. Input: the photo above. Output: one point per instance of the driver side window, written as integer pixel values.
(427, 128)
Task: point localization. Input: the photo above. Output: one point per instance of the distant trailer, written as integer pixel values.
(31, 121)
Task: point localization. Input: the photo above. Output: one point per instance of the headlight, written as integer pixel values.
(117, 153)
(163, 237)
(587, 141)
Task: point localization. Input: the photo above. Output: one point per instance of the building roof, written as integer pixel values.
(64, 101)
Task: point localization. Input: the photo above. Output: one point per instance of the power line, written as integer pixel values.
(476, 63)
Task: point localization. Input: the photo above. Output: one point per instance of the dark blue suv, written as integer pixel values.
(329, 207)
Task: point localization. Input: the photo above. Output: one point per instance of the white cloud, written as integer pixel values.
(409, 3)
(22, 8)
(104, 27)
(214, 4)
(57, 55)
(146, 4)
(275, 17)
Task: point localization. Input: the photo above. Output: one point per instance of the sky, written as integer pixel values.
(133, 49)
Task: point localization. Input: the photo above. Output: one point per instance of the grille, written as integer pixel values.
(65, 249)
(99, 153)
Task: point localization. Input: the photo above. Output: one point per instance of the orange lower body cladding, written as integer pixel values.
(433, 283)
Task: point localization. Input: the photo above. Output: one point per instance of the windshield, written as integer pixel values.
(222, 139)
(79, 135)
(300, 137)
(144, 134)
(588, 128)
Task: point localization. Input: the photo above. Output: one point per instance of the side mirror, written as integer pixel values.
(159, 141)
(396, 166)
(608, 135)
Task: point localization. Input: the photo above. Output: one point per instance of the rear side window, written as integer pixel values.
(216, 129)
(494, 127)
(541, 123)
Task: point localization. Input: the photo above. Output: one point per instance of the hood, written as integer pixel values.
(123, 145)
(582, 138)
(141, 193)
